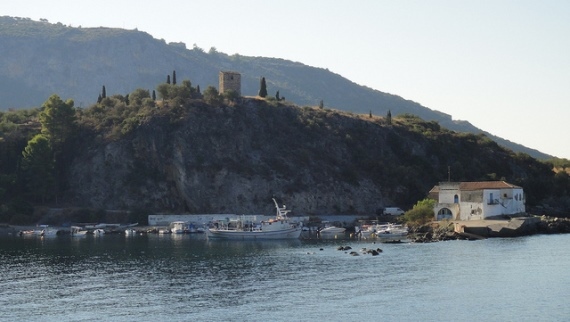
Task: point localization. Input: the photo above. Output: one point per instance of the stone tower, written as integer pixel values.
(230, 80)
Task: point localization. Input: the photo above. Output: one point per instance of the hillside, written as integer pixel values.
(39, 59)
(203, 156)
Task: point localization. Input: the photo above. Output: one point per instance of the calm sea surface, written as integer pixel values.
(188, 278)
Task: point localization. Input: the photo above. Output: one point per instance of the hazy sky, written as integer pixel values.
(504, 66)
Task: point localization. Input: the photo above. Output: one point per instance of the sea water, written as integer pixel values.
(190, 278)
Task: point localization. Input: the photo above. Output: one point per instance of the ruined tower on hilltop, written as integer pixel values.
(230, 81)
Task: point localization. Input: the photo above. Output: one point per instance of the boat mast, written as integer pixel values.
(281, 211)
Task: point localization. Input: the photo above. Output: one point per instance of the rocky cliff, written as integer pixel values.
(233, 158)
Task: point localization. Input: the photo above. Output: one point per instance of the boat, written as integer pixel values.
(130, 232)
(330, 229)
(164, 231)
(27, 232)
(98, 232)
(78, 231)
(47, 231)
(365, 231)
(391, 232)
(280, 227)
(178, 227)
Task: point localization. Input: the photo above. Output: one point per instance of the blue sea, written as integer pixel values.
(190, 278)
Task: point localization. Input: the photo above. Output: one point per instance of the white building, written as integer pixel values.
(477, 200)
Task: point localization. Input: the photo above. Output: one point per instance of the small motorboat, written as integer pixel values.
(329, 229)
(178, 227)
(78, 231)
(391, 232)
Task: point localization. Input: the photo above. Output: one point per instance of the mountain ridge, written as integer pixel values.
(40, 58)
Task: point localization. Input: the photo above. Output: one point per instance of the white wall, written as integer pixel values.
(505, 202)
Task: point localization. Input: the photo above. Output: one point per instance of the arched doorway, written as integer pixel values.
(444, 213)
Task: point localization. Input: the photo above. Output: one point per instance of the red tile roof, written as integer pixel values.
(480, 185)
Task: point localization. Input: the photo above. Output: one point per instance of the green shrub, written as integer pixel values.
(421, 213)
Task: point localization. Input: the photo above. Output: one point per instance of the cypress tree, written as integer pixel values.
(277, 96)
(173, 77)
(389, 118)
(167, 79)
(153, 95)
(262, 88)
(321, 104)
(103, 92)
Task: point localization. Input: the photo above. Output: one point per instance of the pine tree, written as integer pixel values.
(262, 88)
(57, 119)
(38, 168)
(173, 77)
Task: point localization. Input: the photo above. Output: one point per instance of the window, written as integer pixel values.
(456, 199)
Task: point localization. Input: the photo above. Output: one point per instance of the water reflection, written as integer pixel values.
(124, 278)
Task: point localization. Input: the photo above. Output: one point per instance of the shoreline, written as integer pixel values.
(431, 232)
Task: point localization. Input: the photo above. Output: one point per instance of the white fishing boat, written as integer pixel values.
(280, 227)
(98, 232)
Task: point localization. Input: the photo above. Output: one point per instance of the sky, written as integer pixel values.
(502, 65)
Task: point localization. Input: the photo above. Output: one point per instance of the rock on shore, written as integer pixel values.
(442, 231)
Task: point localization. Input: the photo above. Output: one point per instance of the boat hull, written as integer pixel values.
(332, 230)
(292, 233)
(397, 236)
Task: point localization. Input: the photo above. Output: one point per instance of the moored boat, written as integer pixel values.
(280, 227)
(391, 232)
(365, 231)
(178, 227)
(47, 231)
(329, 229)
(78, 231)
